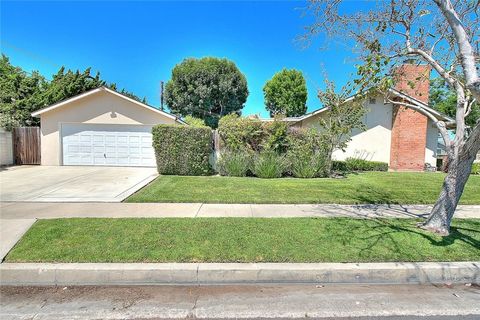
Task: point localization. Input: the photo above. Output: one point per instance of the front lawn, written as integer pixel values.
(243, 240)
(369, 187)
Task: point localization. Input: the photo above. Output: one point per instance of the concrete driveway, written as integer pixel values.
(71, 184)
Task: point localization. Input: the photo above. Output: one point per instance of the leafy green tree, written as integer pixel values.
(22, 93)
(286, 93)
(341, 120)
(206, 88)
(444, 99)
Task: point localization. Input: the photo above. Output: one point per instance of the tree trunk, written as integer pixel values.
(442, 213)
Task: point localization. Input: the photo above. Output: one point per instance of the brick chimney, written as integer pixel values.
(409, 127)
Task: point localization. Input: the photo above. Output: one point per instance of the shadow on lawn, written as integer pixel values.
(456, 234)
(371, 195)
(382, 234)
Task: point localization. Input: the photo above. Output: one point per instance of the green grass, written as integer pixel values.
(371, 187)
(244, 240)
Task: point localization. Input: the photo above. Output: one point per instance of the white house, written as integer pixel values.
(399, 136)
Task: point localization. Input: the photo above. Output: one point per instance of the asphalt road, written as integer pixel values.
(242, 302)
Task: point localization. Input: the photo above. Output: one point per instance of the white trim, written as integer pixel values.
(393, 91)
(93, 91)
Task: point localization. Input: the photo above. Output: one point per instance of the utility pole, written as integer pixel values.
(161, 95)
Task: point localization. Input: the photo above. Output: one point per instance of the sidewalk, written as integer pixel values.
(36, 210)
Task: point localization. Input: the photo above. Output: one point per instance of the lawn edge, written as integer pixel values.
(56, 274)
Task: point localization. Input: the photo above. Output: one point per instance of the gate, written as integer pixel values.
(26, 145)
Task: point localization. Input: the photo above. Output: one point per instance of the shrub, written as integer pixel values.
(476, 168)
(195, 122)
(182, 150)
(275, 135)
(306, 155)
(309, 165)
(239, 133)
(268, 164)
(339, 166)
(356, 164)
(234, 163)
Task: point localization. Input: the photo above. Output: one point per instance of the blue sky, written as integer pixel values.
(136, 44)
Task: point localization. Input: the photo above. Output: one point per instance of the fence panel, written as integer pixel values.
(26, 145)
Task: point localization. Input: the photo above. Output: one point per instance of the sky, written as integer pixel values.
(136, 44)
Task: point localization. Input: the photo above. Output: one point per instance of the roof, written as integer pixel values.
(105, 89)
(450, 121)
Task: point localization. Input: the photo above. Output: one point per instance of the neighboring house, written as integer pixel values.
(401, 137)
(99, 127)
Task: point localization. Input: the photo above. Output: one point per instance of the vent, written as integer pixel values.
(372, 101)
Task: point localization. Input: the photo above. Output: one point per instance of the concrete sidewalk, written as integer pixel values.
(44, 210)
(11, 230)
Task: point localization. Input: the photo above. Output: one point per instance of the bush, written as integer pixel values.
(195, 122)
(306, 156)
(339, 166)
(239, 133)
(275, 135)
(308, 166)
(356, 164)
(234, 163)
(476, 168)
(182, 150)
(268, 164)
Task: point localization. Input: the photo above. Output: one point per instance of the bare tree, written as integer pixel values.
(443, 34)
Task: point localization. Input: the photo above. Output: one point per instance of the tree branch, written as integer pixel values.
(441, 126)
(466, 50)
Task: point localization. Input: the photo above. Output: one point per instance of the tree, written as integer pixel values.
(22, 93)
(441, 33)
(342, 118)
(286, 94)
(444, 99)
(206, 88)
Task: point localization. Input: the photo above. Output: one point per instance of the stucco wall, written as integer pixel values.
(6, 147)
(99, 108)
(374, 142)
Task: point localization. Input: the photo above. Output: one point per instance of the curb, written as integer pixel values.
(237, 273)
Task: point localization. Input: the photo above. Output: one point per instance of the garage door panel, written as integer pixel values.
(121, 145)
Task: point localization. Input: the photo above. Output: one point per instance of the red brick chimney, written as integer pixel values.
(409, 127)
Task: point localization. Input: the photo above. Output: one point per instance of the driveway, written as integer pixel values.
(71, 184)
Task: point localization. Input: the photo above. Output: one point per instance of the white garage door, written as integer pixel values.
(107, 145)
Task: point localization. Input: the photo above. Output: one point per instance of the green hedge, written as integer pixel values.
(354, 164)
(182, 150)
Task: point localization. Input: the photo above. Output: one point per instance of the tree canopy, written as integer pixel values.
(444, 99)
(286, 93)
(206, 88)
(22, 93)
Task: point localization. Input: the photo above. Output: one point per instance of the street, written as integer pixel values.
(247, 301)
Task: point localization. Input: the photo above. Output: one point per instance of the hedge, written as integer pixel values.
(353, 164)
(182, 150)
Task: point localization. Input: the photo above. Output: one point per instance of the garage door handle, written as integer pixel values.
(104, 155)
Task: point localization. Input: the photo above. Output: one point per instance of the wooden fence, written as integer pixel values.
(26, 145)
